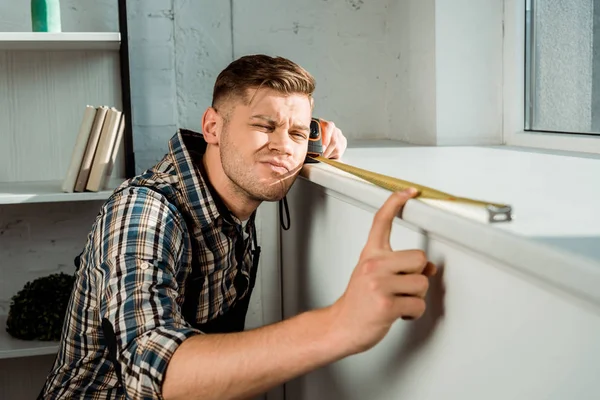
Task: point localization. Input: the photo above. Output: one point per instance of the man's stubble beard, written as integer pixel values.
(242, 178)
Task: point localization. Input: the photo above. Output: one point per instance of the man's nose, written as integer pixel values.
(280, 141)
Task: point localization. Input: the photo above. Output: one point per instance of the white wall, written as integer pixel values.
(153, 78)
(349, 46)
(454, 74)
(469, 76)
(420, 118)
(203, 47)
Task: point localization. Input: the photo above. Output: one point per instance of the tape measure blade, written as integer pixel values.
(496, 212)
(387, 182)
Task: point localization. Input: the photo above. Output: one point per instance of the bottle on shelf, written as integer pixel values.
(45, 15)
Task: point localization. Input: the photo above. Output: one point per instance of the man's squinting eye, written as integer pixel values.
(264, 127)
(268, 128)
(298, 135)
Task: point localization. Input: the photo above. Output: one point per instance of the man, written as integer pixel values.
(163, 283)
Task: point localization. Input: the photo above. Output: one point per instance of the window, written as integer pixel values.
(562, 74)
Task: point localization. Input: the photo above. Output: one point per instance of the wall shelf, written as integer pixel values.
(50, 41)
(48, 192)
(11, 347)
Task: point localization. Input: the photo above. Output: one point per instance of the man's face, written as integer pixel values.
(263, 145)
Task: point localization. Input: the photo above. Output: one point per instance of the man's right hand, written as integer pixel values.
(384, 286)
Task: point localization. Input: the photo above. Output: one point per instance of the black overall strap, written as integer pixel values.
(283, 204)
(233, 320)
(241, 308)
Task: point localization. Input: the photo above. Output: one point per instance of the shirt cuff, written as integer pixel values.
(148, 358)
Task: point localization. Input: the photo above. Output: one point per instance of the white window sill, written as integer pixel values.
(556, 141)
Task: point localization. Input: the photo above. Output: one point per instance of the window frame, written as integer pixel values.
(516, 94)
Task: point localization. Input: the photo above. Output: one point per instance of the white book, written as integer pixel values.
(115, 149)
(102, 158)
(79, 149)
(90, 151)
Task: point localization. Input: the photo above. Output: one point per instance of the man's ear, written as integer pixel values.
(211, 125)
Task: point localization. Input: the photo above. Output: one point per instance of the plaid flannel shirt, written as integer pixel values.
(133, 271)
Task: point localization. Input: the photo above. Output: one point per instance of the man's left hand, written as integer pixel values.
(334, 142)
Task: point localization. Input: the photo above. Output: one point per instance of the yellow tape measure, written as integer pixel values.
(497, 212)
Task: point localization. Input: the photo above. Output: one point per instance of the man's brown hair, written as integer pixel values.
(259, 70)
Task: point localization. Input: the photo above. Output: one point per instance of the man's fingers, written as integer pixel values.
(397, 262)
(333, 141)
(379, 236)
(430, 269)
(341, 147)
(407, 285)
(331, 147)
(408, 307)
(338, 145)
(327, 129)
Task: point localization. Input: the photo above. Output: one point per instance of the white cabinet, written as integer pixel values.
(520, 321)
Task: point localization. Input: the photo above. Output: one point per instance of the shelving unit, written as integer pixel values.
(36, 62)
(42, 41)
(49, 190)
(11, 347)
(46, 81)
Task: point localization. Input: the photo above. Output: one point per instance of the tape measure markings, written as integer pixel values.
(497, 212)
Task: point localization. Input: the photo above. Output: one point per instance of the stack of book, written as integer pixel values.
(95, 149)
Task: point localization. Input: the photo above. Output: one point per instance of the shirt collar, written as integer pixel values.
(187, 148)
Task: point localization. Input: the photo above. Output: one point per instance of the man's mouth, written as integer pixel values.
(278, 167)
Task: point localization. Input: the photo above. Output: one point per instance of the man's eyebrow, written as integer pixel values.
(270, 120)
(301, 127)
(264, 118)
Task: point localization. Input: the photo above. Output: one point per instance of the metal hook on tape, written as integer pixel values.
(499, 214)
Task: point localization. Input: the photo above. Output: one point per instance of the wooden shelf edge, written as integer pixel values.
(49, 192)
(52, 41)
